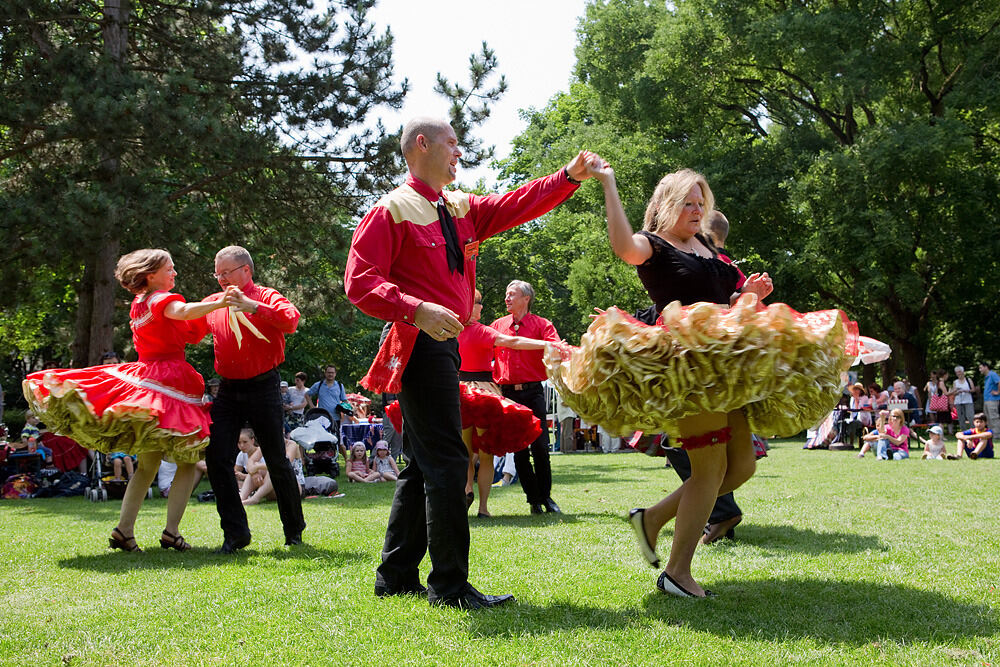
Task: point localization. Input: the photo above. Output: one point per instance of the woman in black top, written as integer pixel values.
(676, 263)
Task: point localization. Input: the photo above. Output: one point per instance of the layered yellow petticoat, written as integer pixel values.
(782, 367)
(123, 408)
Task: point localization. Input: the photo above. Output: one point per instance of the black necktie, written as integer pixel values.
(450, 239)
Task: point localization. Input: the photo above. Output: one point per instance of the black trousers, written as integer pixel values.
(256, 401)
(725, 505)
(536, 481)
(428, 513)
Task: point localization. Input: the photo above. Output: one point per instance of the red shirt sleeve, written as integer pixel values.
(276, 310)
(377, 240)
(493, 214)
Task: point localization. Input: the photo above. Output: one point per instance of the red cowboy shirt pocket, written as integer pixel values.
(429, 238)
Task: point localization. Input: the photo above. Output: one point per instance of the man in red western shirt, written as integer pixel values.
(413, 262)
(248, 350)
(519, 374)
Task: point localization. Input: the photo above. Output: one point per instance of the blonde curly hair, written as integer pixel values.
(668, 199)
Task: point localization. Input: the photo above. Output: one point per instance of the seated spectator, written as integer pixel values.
(167, 470)
(257, 470)
(901, 393)
(165, 476)
(212, 389)
(976, 442)
(858, 418)
(878, 398)
(934, 448)
(890, 436)
(109, 358)
(897, 435)
(118, 459)
(876, 435)
(67, 454)
(383, 464)
(358, 469)
(31, 438)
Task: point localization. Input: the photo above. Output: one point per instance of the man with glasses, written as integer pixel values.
(249, 339)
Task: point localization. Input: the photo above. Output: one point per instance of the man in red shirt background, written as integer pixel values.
(413, 262)
(519, 374)
(248, 350)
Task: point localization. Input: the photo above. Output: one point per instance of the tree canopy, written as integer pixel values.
(853, 146)
(192, 126)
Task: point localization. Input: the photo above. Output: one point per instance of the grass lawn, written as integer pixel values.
(838, 561)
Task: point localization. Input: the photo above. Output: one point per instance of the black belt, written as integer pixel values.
(475, 376)
(522, 386)
(263, 377)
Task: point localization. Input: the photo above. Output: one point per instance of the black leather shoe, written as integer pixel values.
(232, 545)
(293, 540)
(536, 508)
(383, 591)
(550, 506)
(473, 599)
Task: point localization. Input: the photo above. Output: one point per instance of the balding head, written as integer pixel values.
(423, 125)
(717, 227)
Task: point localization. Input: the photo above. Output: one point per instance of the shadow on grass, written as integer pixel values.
(801, 540)
(525, 520)
(307, 557)
(834, 612)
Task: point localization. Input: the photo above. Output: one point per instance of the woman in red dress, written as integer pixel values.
(475, 347)
(152, 408)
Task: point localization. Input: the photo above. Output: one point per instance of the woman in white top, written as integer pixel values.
(962, 390)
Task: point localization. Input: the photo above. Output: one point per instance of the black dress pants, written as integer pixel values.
(428, 513)
(725, 505)
(256, 401)
(536, 481)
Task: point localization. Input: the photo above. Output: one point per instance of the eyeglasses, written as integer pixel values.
(220, 276)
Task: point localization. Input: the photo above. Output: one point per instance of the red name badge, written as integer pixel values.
(471, 249)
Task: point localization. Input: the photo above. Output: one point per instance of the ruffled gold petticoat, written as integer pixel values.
(782, 367)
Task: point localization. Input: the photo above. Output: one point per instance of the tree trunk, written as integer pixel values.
(84, 310)
(103, 295)
(115, 32)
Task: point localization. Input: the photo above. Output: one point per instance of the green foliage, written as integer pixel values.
(194, 126)
(854, 148)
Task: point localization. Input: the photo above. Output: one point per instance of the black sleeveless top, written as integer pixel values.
(674, 275)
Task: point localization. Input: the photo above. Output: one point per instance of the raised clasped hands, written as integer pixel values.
(436, 321)
(759, 284)
(600, 169)
(578, 168)
(236, 299)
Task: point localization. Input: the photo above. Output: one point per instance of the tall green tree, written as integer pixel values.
(853, 145)
(188, 126)
(191, 126)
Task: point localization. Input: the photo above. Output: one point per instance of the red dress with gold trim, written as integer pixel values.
(151, 405)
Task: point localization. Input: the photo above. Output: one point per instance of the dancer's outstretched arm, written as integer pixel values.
(630, 247)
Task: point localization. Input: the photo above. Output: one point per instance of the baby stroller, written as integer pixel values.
(319, 442)
(104, 486)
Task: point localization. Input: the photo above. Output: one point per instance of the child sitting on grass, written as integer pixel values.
(933, 448)
(383, 464)
(876, 435)
(977, 442)
(358, 469)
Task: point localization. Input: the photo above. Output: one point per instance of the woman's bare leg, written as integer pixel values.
(135, 492)
(180, 492)
(485, 480)
(694, 506)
